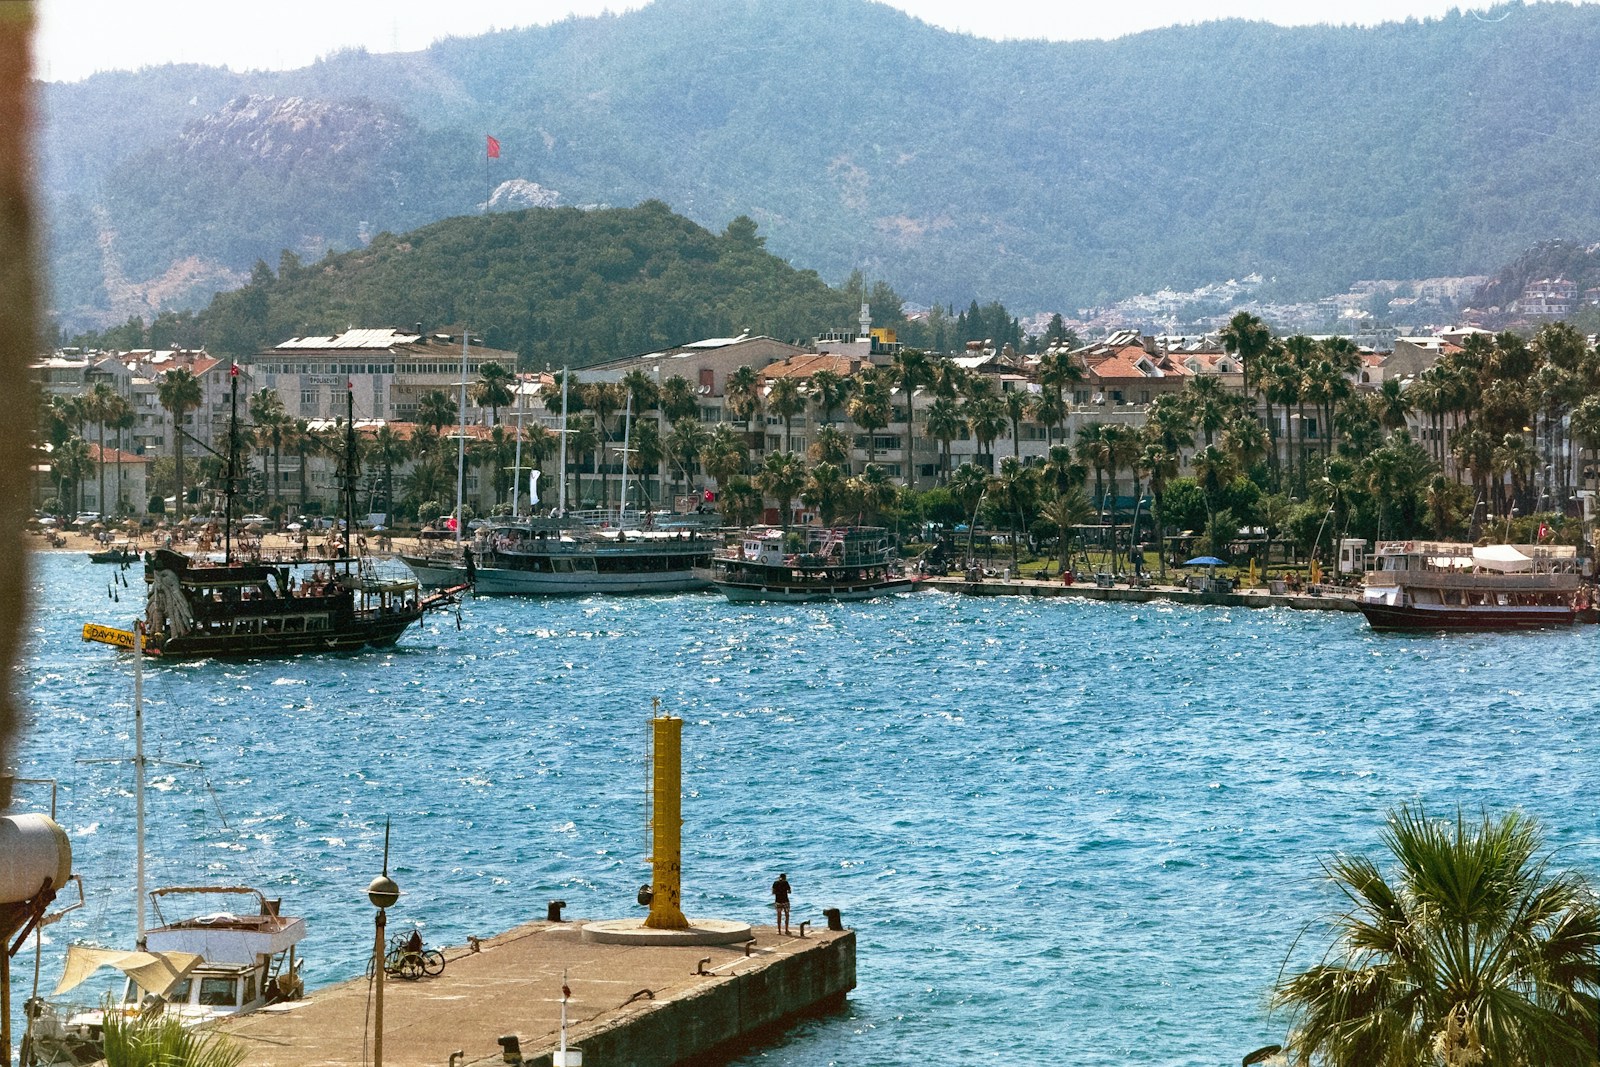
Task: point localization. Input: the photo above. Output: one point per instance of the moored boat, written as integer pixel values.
(829, 563)
(119, 552)
(196, 606)
(1434, 585)
(544, 557)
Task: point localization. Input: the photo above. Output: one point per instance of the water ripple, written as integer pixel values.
(1065, 831)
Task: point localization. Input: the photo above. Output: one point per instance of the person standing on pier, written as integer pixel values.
(780, 902)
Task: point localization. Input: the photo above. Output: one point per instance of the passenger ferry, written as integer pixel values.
(1435, 585)
(547, 557)
(838, 563)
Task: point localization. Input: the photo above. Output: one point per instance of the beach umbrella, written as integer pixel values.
(295, 526)
(1206, 561)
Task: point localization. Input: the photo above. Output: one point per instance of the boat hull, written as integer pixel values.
(377, 633)
(615, 579)
(810, 592)
(1387, 618)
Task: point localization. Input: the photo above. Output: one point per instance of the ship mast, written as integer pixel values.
(349, 464)
(233, 467)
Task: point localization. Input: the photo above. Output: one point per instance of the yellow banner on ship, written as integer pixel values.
(108, 635)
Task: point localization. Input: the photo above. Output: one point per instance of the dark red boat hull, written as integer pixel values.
(1386, 619)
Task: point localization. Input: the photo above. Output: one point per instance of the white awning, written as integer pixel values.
(155, 972)
(1503, 558)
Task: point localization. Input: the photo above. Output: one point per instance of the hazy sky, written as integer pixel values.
(79, 37)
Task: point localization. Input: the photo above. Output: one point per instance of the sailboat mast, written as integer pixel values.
(516, 476)
(349, 463)
(138, 775)
(561, 497)
(233, 469)
(461, 440)
(627, 433)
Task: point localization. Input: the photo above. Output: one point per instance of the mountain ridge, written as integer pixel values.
(1049, 175)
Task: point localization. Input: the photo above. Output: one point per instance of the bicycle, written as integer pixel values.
(401, 962)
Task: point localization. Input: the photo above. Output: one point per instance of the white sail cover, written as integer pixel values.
(155, 972)
(1503, 558)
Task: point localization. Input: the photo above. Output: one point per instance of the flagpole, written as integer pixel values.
(516, 477)
(461, 440)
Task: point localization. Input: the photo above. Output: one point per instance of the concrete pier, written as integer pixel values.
(1088, 590)
(641, 1005)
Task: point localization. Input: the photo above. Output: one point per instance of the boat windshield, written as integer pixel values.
(218, 992)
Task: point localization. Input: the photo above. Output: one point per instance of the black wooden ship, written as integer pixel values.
(197, 606)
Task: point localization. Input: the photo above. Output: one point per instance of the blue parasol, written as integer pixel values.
(1206, 561)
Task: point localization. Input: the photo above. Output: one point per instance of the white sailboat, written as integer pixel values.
(200, 966)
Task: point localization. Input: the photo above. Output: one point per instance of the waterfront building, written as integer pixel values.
(388, 371)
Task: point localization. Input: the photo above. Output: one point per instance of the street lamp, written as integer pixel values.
(383, 892)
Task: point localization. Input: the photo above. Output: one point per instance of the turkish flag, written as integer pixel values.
(494, 148)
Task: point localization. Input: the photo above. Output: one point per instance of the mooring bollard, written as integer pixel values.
(552, 911)
(834, 917)
(804, 923)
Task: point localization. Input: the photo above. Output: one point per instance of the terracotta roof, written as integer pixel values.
(112, 455)
(805, 366)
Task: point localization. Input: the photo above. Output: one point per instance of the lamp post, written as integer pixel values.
(383, 892)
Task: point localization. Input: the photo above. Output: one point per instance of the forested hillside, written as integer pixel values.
(559, 286)
(1043, 175)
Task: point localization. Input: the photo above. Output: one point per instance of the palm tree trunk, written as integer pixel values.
(105, 512)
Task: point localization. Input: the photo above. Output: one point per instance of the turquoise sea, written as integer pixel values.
(1064, 831)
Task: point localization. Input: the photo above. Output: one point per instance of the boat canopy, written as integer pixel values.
(1505, 559)
(155, 972)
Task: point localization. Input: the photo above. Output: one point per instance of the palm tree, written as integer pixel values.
(678, 400)
(874, 489)
(1049, 411)
(986, 417)
(1012, 483)
(1016, 403)
(100, 406)
(1159, 465)
(967, 485)
(1058, 372)
(645, 453)
(179, 392)
(912, 369)
(71, 464)
(1474, 949)
(742, 394)
(785, 400)
(1394, 403)
(685, 442)
(1247, 338)
(492, 390)
(739, 500)
(121, 417)
(944, 425)
(388, 450)
(723, 456)
(869, 407)
(824, 491)
(642, 388)
(829, 390)
(1213, 470)
(782, 476)
(1065, 511)
(272, 425)
(831, 445)
(603, 399)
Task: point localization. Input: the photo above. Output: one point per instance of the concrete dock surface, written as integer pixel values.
(1133, 594)
(636, 1005)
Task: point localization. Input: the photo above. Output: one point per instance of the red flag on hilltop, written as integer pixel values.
(494, 148)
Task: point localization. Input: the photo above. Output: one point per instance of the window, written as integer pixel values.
(218, 992)
(308, 398)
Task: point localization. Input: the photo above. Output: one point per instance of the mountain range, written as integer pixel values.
(1044, 175)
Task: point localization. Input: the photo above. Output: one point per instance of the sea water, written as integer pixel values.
(1064, 831)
